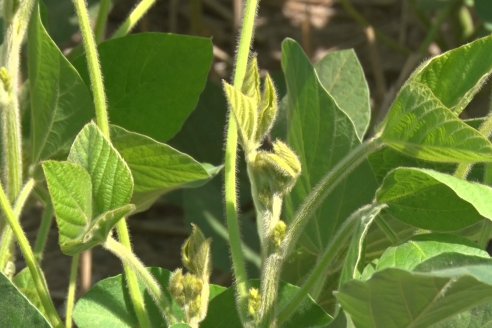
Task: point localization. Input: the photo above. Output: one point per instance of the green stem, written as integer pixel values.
(128, 258)
(93, 65)
(131, 278)
(7, 239)
(102, 20)
(135, 16)
(72, 288)
(238, 262)
(43, 231)
(103, 123)
(327, 184)
(336, 245)
(34, 269)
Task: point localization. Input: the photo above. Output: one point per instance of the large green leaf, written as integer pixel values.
(420, 125)
(222, 311)
(61, 102)
(423, 247)
(432, 200)
(16, 310)
(398, 298)
(156, 167)
(321, 134)
(478, 317)
(108, 303)
(112, 182)
(155, 82)
(341, 74)
(457, 75)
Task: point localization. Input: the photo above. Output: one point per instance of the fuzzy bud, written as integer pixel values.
(176, 286)
(254, 302)
(279, 232)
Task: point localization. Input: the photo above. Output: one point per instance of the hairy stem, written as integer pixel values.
(72, 289)
(336, 245)
(9, 105)
(327, 184)
(131, 278)
(7, 238)
(135, 16)
(238, 262)
(94, 68)
(102, 20)
(43, 231)
(103, 123)
(151, 285)
(34, 269)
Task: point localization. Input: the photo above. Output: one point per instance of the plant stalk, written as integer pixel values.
(238, 262)
(34, 269)
(43, 231)
(102, 20)
(312, 202)
(131, 278)
(97, 85)
(135, 16)
(94, 67)
(9, 106)
(7, 238)
(151, 285)
(72, 289)
(336, 245)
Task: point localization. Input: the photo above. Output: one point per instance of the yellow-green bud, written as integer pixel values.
(195, 254)
(194, 307)
(277, 170)
(192, 287)
(176, 286)
(251, 82)
(279, 232)
(6, 79)
(267, 111)
(254, 302)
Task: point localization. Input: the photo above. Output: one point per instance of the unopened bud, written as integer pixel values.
(254, 302)
(192, 286)
(176, 286)
(279, 232)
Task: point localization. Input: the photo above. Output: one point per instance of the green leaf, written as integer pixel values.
(156, 81)
(321, 134)
(16, 310)
(342, 76)
(156, 167)
(355, 257)
(397, 298)
(457, 75)
(436, 201)
(420, 125)
(108, 303)
(222, 311)
(112, 182)
(478, 317)
(423, 247)
(24, 282)
(61, 103)
(70, 189)
(267, 112)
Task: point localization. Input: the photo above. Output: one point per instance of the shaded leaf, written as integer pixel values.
(153, 91)
(222, 311)
(432, 200)
(16, 310)
(108, 303)
(398, 298)
(156, 167)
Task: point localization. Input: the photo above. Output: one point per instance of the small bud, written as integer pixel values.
(278, 170)
(251, 82)
(245, 110)
(176, 286)
(279, 232)
(192, 287)
(195, 253)
(267, 111)
(194, 307)
(254, 302)
(6, 79)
